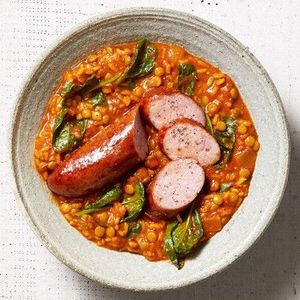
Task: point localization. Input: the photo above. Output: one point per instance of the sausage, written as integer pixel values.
(103, 159)
(187, 139)
(163, 108)
(175, 186)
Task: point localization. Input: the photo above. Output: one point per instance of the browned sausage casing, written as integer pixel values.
(102, 160)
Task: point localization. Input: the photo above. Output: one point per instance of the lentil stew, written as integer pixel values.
(110, 82)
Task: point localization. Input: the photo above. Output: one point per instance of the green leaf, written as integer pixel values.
(130, 83)
(90, 85)
(225, 156)
(69, 88)
(134, 204)
(142, 62)
(226, 139)
(69, 135)
(98, 99)
(135, 58)
(59, 120)
(225, 186)
(169, 246)
(188, 233)
(133, 229)
(209, 124)
(187, 77)
(145, 63)
(66, 89)
(105, 199)
(110, 80)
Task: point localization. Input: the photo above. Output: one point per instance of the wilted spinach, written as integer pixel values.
(225, 156)
(187, 77)
(133, 229)
(142, 62)
(188, 233)
(226, 139)
(169, 246)
(58, 122)
(69, 88)
(225, 186)
(66, 89)
(182, 237)
(105, 199)
(90, 85)
(69, 135)
(134, 204)
(209, 124)
(98, 99)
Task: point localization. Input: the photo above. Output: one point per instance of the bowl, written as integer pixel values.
(125, 270)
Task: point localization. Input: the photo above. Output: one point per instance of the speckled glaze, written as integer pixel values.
(125, 270)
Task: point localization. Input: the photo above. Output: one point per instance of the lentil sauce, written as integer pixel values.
(215, 92)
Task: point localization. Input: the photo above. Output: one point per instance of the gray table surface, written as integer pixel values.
(271, 268)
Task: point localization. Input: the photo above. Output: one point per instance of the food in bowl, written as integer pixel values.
(147, 149)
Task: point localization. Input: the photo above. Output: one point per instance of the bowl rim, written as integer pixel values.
(266, 218)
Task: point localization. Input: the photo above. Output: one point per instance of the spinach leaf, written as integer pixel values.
(97, 85)
(66, 89)
(226, 139)
(187, 77)
(225, 156)
(133, 229)
(90, 85)
(142, 62)
(130, 83)
(98, 99)
(209, 124)
(225, 187)
(169, 246)
(134, 204)
(69, 135)
(110, 80)
(105, 199)
(69, 88)
(188, 233)
(58, 123)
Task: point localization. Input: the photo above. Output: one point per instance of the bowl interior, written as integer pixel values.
(202, 39)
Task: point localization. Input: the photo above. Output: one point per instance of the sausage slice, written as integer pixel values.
(102, 160)
(187, 139)
(175, 186)
(162, 109)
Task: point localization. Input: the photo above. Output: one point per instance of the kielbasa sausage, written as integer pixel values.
(188, 139)
(103, 159)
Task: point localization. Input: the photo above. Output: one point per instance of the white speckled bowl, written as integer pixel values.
(126, 270)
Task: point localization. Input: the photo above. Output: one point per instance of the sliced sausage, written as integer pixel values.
(162, 109)
(102, 160)
(175, 186)
(187, 139)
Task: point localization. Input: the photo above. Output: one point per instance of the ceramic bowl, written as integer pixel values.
(125, 270)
